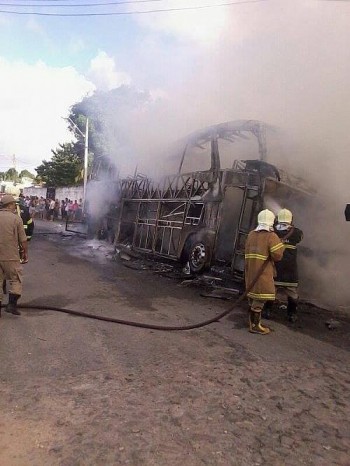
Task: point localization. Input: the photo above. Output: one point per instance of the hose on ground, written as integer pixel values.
(150, 326)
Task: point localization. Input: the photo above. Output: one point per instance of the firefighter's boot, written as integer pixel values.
(267, 310)
(292, 310)
(255, 325)
(11, 307)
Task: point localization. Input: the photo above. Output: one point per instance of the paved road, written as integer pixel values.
(81, 392)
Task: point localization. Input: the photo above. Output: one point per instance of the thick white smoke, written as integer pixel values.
(285, 63)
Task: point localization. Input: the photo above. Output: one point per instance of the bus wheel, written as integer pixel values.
(197, 256)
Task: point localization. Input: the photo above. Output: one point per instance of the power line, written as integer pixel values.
(54, 1)
(119, 13)
(55, 5)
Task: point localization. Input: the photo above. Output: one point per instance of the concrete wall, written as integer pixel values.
(72, 192)
(34, 191)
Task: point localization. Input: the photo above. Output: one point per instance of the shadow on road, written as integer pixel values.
(312, 322)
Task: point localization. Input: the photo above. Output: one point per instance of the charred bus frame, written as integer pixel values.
(203, 217)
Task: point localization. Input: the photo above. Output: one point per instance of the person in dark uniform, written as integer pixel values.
(28, 223)
(287, 269)
(347, 212)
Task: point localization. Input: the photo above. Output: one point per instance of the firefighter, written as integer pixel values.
(287, 268)
(28, 223)
(12, 238)
(262, 245)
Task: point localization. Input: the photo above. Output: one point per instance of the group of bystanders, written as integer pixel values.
(53, 209)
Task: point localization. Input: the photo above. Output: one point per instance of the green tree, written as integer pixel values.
(64, 169)
(12, 175)
(26, 174)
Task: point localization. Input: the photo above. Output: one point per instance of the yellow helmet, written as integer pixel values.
(266, 217)
(285, 216)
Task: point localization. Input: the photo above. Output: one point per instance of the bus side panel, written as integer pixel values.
(128, 215)
(229, 222)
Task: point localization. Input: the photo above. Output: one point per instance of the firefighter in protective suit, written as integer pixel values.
(28, 225)
(287, 269)
(262, 245)
(12, 239)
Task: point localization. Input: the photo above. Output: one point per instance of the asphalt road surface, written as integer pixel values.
(80, 392)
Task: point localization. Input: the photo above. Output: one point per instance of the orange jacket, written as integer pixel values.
(262, 246)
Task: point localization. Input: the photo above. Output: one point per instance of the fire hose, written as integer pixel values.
(151, 326)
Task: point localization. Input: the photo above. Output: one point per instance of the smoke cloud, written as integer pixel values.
(284, 63)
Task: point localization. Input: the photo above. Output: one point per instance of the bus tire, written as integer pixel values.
(197, 255)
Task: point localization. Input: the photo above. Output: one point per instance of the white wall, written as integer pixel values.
(34, 191)
(72, 192)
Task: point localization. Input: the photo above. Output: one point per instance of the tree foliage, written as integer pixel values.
(12, 175)
(64, 169)
(108, 114)
(26, 174)
(109, 119)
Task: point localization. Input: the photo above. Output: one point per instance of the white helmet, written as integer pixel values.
(266, 217)
(285, 216)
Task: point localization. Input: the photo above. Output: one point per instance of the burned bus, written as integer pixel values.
(202, 218)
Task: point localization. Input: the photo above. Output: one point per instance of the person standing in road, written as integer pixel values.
(52, 209)
(75, 208)
(262, 249)
(63, 209)
(47, 209)
(287, 269)
(12, 239)
(56, 210)
(42, 204)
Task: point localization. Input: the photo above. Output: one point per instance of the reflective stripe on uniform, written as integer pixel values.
(290, 246)
(286, 284)
(30, 221)
(255, 256)
(261, 296)
(276, 247)
(25, 227)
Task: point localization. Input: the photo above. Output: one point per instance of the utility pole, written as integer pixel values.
(86, 160)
